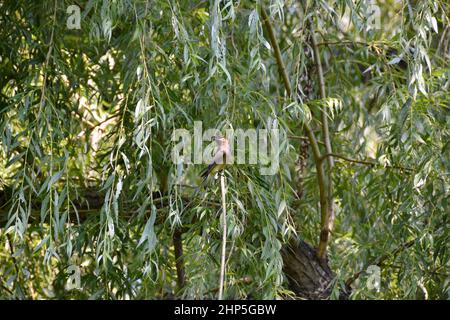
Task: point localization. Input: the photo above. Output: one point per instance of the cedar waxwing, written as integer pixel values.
(222, 156)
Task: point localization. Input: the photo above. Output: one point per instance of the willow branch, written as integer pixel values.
(277, 52)
(92, 206)
(351, 42)
(309, 132)
(302, 138)
(6, 289)
(323, 95)
(224, 235)
(365, 162)
(380, 261)
(327, 221)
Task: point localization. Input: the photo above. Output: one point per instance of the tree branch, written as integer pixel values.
(92, 204)
(351, 42)
(365, 162)
(309, 133)
(327, 221)
(381, 260)
(224, 235)
(277, 52)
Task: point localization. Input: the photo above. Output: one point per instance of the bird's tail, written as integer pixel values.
(204, 174)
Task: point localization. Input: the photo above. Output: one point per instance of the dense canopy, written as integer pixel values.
(92, 205)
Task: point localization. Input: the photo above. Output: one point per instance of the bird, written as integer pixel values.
(220, 159)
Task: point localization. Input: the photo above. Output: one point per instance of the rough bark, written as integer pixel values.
(309, 277)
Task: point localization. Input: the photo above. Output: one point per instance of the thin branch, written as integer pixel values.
(224, 235)
(365, 162)
(347, 42)
(323, 95)
(302, 138)
(327, 221)
(297, 137)
(47, 59)
(115, 115)
(380, 261)
(6, 289)
(277, 52)
(94, 203)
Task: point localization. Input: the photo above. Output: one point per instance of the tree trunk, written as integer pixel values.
(308, 276)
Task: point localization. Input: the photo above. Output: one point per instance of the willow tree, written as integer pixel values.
(91, 92)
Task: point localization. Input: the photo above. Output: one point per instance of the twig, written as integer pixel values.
(381, 260)
(47, 60)
(224, 235)
(365, 162)
(115, 115)
(6, 289)
(347, 42)
(301, 138)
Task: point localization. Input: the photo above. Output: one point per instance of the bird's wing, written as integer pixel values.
(218, 159)
(207, 170)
